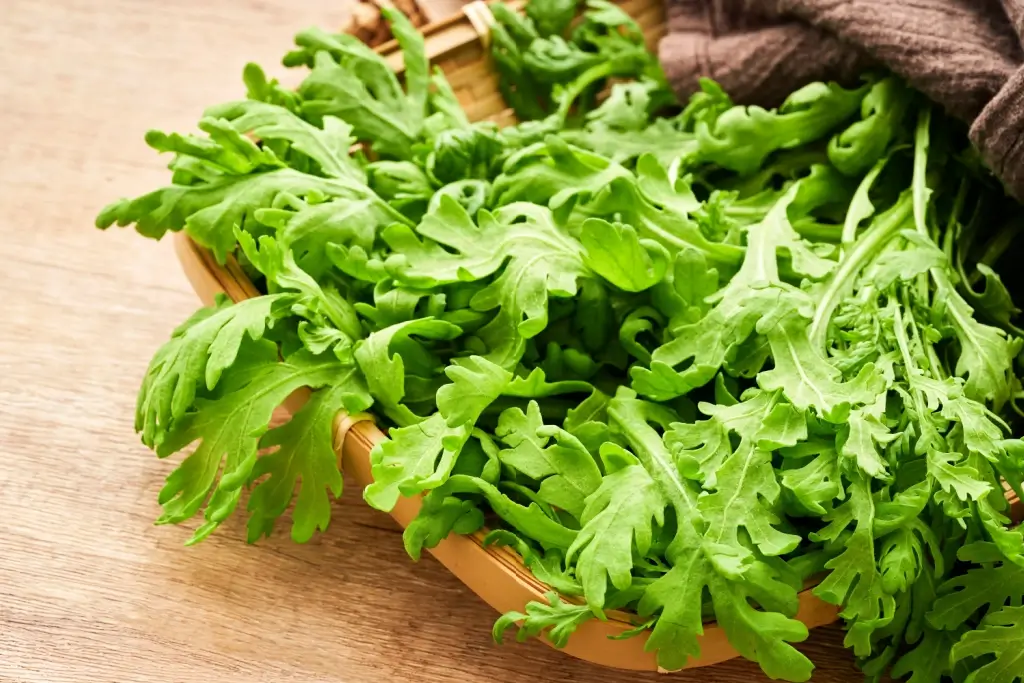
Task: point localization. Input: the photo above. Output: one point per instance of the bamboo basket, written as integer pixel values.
(459, 45)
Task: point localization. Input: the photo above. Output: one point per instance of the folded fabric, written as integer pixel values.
(966, 55)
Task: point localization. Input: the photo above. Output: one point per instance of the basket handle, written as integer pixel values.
(481, 18)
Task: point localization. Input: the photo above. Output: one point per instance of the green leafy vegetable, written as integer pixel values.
(683, 361)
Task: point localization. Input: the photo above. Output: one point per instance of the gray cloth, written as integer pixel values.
(966, 55)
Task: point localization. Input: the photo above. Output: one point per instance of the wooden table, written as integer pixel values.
(90, 590)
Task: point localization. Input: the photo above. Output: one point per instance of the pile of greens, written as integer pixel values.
(682, 359)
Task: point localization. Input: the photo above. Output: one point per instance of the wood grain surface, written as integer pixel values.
(90, 590)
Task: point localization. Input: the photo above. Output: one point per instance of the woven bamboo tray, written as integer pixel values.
(459, 46)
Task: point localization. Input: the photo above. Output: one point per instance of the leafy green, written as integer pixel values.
(305, 453)
(557, 620)
(353, 83)
(565, 469)
(196, 356)
(536, 257)
(227, 427)
(1001, 636)
(684, 360)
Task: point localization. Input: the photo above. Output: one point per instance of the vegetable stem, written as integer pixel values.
(864, 251)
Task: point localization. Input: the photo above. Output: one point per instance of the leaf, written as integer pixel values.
(559, 619)
(469, 153)
(511, 35)
(957, 480)
(900, 560)
(385, 370)
(305, 457)
(982, 431)
(438, 517)
(761, 636)
(683, 293)
(547, 568)
(565, 469)
(657, 187)
(319, 304)
(904, 507)
(855, 149)
(536, 259)
(227, 428)
(617, 516)
(986, 354)
(661, 141)
(742, 137)
(863, 431)
(700, 348)
(656, 209)
(412, 456)
(535, 385)
(593, 409)
(626, 107)
(743, 490)
(443, 100)
(310, 230)
(994, 300)
(1001, 635)
(808, 380)
(928, 662)
(676, 598)
(588, 421)
(981, 589)
(854, 581)
(209, 212)
(476, 382)
(552, 173)
(414, 57)
(530, 520)
(614, 252)
(818, 482)
(699, 448)
(195, 357)
(920, 256)
(402, 184)
(551, 16)
(239, 177)
(421, 456)
(356, 85)
(328, 147)
(746, 491)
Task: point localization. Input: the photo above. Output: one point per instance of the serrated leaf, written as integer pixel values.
(557, 619)
(981, 590)
(327, 146)
(227, 428)
(196, 356)
(617, 517)
(384, 368)
(614, 252)
(1001, 635)
(565, 469)
(537, 259)
(304, 458)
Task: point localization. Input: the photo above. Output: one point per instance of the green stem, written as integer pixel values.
(921, 191)
(584, 81)
(951, 226)
(864, 250)
(861, 194)
(933, 360)
(999, 244)
(903, 343)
